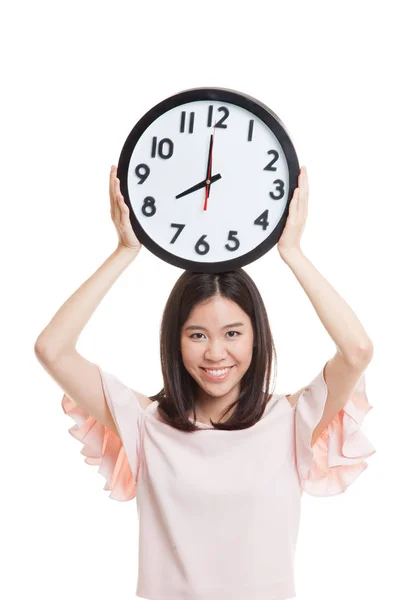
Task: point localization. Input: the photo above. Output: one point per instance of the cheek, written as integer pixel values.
(190, 353)
(245, 351)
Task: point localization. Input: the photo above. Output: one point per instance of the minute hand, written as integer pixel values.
(199, 185)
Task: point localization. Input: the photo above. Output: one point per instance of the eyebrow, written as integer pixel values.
(204, 329)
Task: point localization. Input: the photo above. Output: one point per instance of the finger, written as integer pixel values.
(303, 187)
(303, 202)
(112, 182)
(294, 200)
(111, 194)
(116, 187)
(123, 206)
(304, 179)
(120, 198)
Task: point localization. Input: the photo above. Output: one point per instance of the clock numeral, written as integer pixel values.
(149, 204)
(180, 229)
(201, 242)
(222, 119)
(250, 134)
(279, 183)
(183, 119)
(142, 171)
(234, 239)
(160, 148)
(262, 220)
(202, 247)
(269, 166)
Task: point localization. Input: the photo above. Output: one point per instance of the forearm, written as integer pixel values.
(64, 329)
(335, 314)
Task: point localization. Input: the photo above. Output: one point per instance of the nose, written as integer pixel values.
(215, 351)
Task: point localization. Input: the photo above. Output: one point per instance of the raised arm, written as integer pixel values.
(62, 333)
(55, 347)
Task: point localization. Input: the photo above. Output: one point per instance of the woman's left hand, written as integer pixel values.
(296, 220)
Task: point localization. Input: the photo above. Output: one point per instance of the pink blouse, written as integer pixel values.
(219, 511)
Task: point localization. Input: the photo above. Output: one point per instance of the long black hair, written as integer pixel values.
(177, 397)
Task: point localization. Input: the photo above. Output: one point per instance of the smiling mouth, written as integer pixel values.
(221, 377)
(218, 368)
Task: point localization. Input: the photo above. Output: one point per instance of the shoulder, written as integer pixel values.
(292, 398)
(144, 401)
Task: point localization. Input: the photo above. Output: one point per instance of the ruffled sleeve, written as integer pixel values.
(116, 456)
(337, 457)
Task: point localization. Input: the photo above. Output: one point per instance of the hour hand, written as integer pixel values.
(199, 185)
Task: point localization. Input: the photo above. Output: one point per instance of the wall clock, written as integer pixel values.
(208, 175)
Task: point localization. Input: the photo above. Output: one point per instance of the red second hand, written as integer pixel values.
(209, 171)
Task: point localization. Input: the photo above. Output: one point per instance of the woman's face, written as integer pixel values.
(217, 334)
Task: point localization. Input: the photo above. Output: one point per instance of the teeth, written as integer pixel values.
(217, 373)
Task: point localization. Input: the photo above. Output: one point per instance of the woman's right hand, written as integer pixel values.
(120, 215)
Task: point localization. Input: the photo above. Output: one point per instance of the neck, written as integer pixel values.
(210, 407)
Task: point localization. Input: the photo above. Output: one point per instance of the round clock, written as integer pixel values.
(208, 175)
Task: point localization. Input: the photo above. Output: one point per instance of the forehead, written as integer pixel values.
(218, 309)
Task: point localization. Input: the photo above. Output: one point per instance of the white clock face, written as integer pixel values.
(249, 190)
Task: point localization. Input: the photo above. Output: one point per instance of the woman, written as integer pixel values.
(218, 464)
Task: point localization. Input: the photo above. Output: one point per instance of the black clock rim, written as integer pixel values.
(216, 94)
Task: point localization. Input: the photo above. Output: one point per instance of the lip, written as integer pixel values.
(217, 368)
(215, 378)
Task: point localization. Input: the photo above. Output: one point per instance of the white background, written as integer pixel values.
(76, 78)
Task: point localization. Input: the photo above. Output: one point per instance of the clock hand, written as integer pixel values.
(209, 160)
(209, 165)
(200, 185)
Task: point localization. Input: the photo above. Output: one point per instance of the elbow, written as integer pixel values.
(367, 351)
(40, 349)
(359, 357)
(364, 354)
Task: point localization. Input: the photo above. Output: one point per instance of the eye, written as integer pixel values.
(232, 337)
